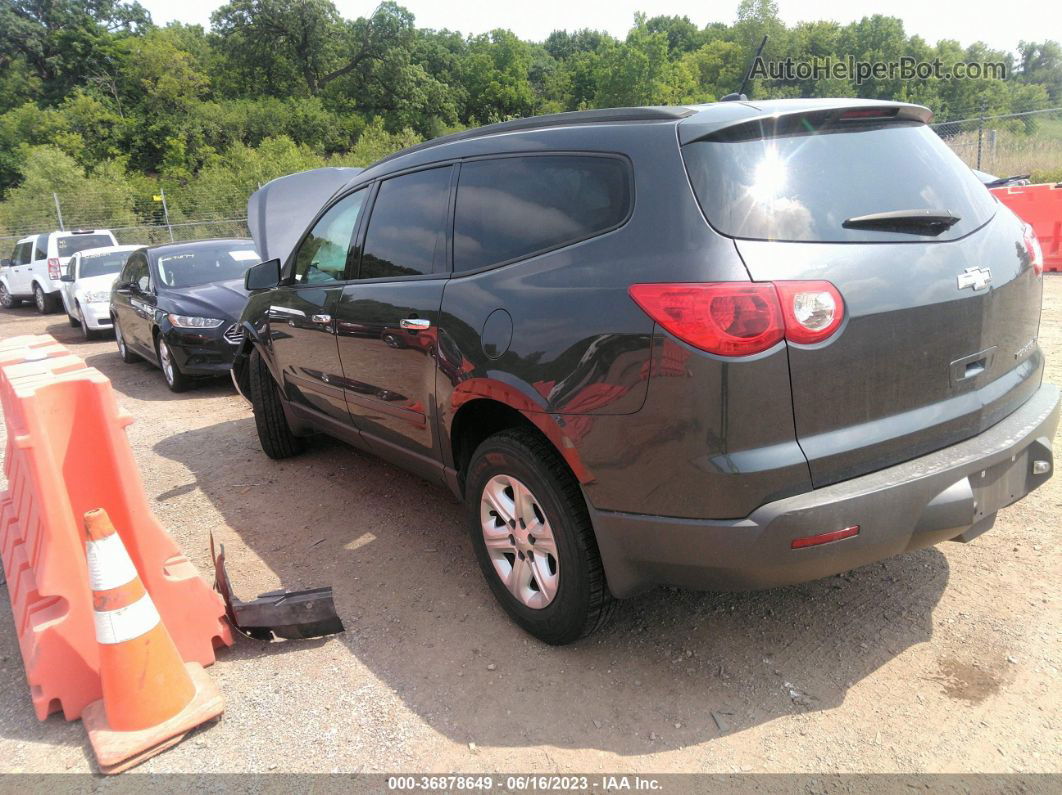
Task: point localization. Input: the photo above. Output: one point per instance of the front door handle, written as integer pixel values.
(324, 320)
(415, 323)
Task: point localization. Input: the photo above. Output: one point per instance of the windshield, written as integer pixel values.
(205, 264)
(71, 244)
(101, 264)
(804, 186)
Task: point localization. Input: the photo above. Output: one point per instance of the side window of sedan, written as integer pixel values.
(135, 272)
(324, 253)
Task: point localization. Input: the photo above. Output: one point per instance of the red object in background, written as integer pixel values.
(1040, 206)
(66, 453)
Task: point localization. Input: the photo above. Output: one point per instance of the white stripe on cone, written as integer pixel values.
(109, 565)
(126, 623)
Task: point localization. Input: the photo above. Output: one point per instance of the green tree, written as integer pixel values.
(495, 75)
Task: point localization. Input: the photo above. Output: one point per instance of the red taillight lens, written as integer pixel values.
(1032, 248)
(728, 318)
(742, 318)
(812, 310)
(54, 271)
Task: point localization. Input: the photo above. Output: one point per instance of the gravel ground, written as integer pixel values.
(943, 660)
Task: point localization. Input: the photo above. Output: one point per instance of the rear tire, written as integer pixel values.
(46, 302)
(8, 301)
(578, 601)
(274, 433)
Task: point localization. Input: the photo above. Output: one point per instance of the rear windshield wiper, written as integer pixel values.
(1016, 179)
(911, 222)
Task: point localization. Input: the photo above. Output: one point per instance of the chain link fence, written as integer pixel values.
(1012, 144)
(149, 219)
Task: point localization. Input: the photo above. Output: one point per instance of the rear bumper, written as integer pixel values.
(952, 493)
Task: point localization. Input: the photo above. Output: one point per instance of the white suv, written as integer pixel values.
(86, 289)
(38, 262)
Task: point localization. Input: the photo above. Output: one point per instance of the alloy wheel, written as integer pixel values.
(166, 360)
(519, 541)
(119, 339)
(38, 296)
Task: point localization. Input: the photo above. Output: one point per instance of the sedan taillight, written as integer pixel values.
(54, 269)
(743, 318)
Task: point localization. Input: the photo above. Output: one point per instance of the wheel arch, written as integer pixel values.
(476, 420)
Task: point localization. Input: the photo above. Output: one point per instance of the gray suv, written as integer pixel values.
(730, 346)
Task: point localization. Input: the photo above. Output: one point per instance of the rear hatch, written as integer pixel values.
(941, 315)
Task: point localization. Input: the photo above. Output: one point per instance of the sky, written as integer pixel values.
(1000, 25)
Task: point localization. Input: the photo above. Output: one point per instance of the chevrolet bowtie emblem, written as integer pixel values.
(978, 278)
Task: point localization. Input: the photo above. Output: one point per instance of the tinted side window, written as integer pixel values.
(517, 206)
(24, 251)
(406, 229)
(40, 250)
(324, 253)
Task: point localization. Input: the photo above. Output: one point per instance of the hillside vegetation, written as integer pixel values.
(105, 108)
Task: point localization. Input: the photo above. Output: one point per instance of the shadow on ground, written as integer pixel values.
(692, 666)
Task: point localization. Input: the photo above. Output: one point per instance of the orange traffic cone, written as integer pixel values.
(151, 699)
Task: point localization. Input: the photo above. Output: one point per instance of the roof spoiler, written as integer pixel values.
(770, 123)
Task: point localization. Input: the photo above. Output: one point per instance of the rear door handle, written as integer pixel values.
(415, 323)
(324, 320)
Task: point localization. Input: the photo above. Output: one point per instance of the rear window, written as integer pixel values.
(802, 187)
(71, 244)
(515, 207)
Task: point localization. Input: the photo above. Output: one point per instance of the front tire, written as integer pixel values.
(175, 379)
(533, 539)
(123, 350)
(274, 433)
(46, 303)
(86, 332)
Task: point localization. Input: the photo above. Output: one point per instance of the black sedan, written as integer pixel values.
(177, 305)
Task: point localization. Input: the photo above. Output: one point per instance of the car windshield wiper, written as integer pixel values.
(912, 222)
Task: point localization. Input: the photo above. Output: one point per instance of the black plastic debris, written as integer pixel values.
(284, 614)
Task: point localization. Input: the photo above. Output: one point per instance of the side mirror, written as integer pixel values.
(66, 277)
(263, 276)
(5, 263)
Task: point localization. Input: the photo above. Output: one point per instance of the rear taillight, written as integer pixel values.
(54, 270)
(728, 318)
(1032, 248)
(812, 310)
(743, 318)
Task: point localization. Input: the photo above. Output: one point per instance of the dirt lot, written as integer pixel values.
(943, 660)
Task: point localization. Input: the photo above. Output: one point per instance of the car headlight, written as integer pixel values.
(188, 321)
(96, 297)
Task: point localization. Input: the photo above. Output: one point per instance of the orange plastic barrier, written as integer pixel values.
(66, 453)
(1041, 207)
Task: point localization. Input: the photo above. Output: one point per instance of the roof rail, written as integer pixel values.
(599, 116)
